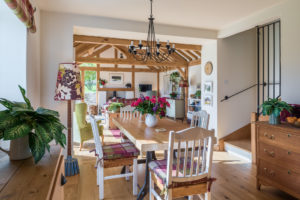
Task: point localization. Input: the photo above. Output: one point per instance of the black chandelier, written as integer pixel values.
(153, 49)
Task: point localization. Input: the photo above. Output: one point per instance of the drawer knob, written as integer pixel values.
(266, 134)
(272, 137)
(289, 153)
(272, 154)
(289, 172)
(289, 135)
(63, 180)
(272, 173)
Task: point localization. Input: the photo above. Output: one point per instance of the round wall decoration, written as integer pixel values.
(208, 68)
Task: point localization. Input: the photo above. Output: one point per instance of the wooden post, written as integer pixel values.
(82, 83)
(116, 57)
(158, 92)
(253, 136)
(97, 82)
(186, 91)
(133, 81)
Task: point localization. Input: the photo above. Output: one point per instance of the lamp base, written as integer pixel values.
(71, 166)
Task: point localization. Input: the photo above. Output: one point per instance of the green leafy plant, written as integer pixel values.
(275, 106)
(198, 94)
(175, 77)
(41, 125)
(115, 107)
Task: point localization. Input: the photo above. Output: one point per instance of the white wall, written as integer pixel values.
(12, 54)
(33, 62)
(209, 53)
(194, 78)
(236, 71)
(288, 13)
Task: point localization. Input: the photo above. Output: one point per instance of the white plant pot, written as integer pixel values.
(151, 120)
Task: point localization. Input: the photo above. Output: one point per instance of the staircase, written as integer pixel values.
(238, 143)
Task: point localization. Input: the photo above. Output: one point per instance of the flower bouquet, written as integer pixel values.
(151, 107)
(102, 82)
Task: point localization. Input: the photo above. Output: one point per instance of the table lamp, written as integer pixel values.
(68, 88)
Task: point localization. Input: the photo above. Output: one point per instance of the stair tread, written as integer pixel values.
(244, 144)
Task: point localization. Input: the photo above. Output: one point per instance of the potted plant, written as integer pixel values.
(273, 107)
(102, 82)
(198, 94)
(29, 130)
(115, 107)
(173, 95)
(151, 107)
(175, 77)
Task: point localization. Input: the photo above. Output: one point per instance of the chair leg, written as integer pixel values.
(81, 145)
(126, 172)
(151, 186)
(208, 196)
(169, 195)
(102, 137)
(98, 172)
(101, 182)
(135, 177)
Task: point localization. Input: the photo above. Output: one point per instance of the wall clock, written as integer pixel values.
(208, 68)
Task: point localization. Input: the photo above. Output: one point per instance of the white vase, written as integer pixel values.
(150, 120)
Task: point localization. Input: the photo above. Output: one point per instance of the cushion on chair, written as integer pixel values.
(119, 150)
(159, 168)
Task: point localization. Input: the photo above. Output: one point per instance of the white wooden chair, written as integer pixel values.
(127, 112)
(114, 155)
(200, 119)
(188, 174)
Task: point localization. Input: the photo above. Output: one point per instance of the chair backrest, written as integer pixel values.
(80, 112)
(98, 144)
(200, 119)
(194, 158)
(127, 112)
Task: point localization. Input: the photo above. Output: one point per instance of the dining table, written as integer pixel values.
(148, 140)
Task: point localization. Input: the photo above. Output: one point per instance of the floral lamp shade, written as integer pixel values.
(68, 86)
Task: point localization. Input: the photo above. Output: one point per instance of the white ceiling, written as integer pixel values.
(209, 14)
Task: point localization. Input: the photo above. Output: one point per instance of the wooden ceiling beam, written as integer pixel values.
(181, 72)
(195, 62)
(126, 42)
(84, 49)
(112, 69)
(98, 52)
(123, 50)
(185, 54)
(198, 53)
(124, 61)
(192, 54)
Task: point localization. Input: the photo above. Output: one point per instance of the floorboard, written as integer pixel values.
(235, 180)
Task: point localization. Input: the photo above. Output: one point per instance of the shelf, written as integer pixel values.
(115, 89)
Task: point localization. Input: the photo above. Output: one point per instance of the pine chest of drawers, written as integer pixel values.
(278, 157)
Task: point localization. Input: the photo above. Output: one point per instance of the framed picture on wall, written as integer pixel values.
(116, 78)
(208, 100)
(208, 87)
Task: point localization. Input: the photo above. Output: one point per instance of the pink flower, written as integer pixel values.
(138, 100)
(161, 105)
(168, 104)
(153, 97)
(153, 100)
(147, 98)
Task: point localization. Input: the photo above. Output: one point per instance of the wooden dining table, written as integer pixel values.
(148, 140)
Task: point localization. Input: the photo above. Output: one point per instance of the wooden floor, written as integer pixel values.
(235, 180)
